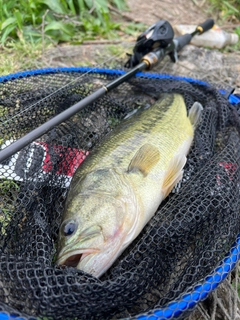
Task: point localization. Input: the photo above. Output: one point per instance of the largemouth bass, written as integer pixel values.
(121, 184)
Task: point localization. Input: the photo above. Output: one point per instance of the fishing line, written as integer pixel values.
(64, 86)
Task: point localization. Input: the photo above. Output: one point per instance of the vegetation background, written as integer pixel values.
(30, 27)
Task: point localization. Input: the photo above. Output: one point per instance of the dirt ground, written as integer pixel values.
(222, 69)
(176, 12)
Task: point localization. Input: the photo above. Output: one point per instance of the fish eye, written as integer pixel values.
(69, 227)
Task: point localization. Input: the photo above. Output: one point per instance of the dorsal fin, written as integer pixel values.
(195, 113)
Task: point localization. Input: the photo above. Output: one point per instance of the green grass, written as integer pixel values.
(228, 9)
(29, 28)
(57, 20)
(19, 56)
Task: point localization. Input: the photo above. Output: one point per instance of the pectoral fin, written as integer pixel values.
(174, 174)
(145, 159)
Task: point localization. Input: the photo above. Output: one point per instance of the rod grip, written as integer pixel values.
(183, 40)
(205, 26)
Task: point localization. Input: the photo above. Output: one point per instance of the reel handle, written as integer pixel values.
(182, 41)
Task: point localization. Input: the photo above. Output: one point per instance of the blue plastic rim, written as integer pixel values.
(232, 98)
(189, 300)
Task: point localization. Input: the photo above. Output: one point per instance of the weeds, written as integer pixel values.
(228, 9)
(58, 20)
(19, 55)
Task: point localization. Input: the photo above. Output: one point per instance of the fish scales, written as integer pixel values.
(134, 131)
(120, 185)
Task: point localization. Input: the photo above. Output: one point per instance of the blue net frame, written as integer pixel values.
(189, 300)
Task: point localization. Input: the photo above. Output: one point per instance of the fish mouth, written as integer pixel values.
(74, 258)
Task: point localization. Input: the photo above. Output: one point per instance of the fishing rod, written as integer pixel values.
(151, 47)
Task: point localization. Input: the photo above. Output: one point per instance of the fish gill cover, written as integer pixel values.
(192, 231)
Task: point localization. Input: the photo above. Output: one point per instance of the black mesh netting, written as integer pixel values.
(190, 234)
